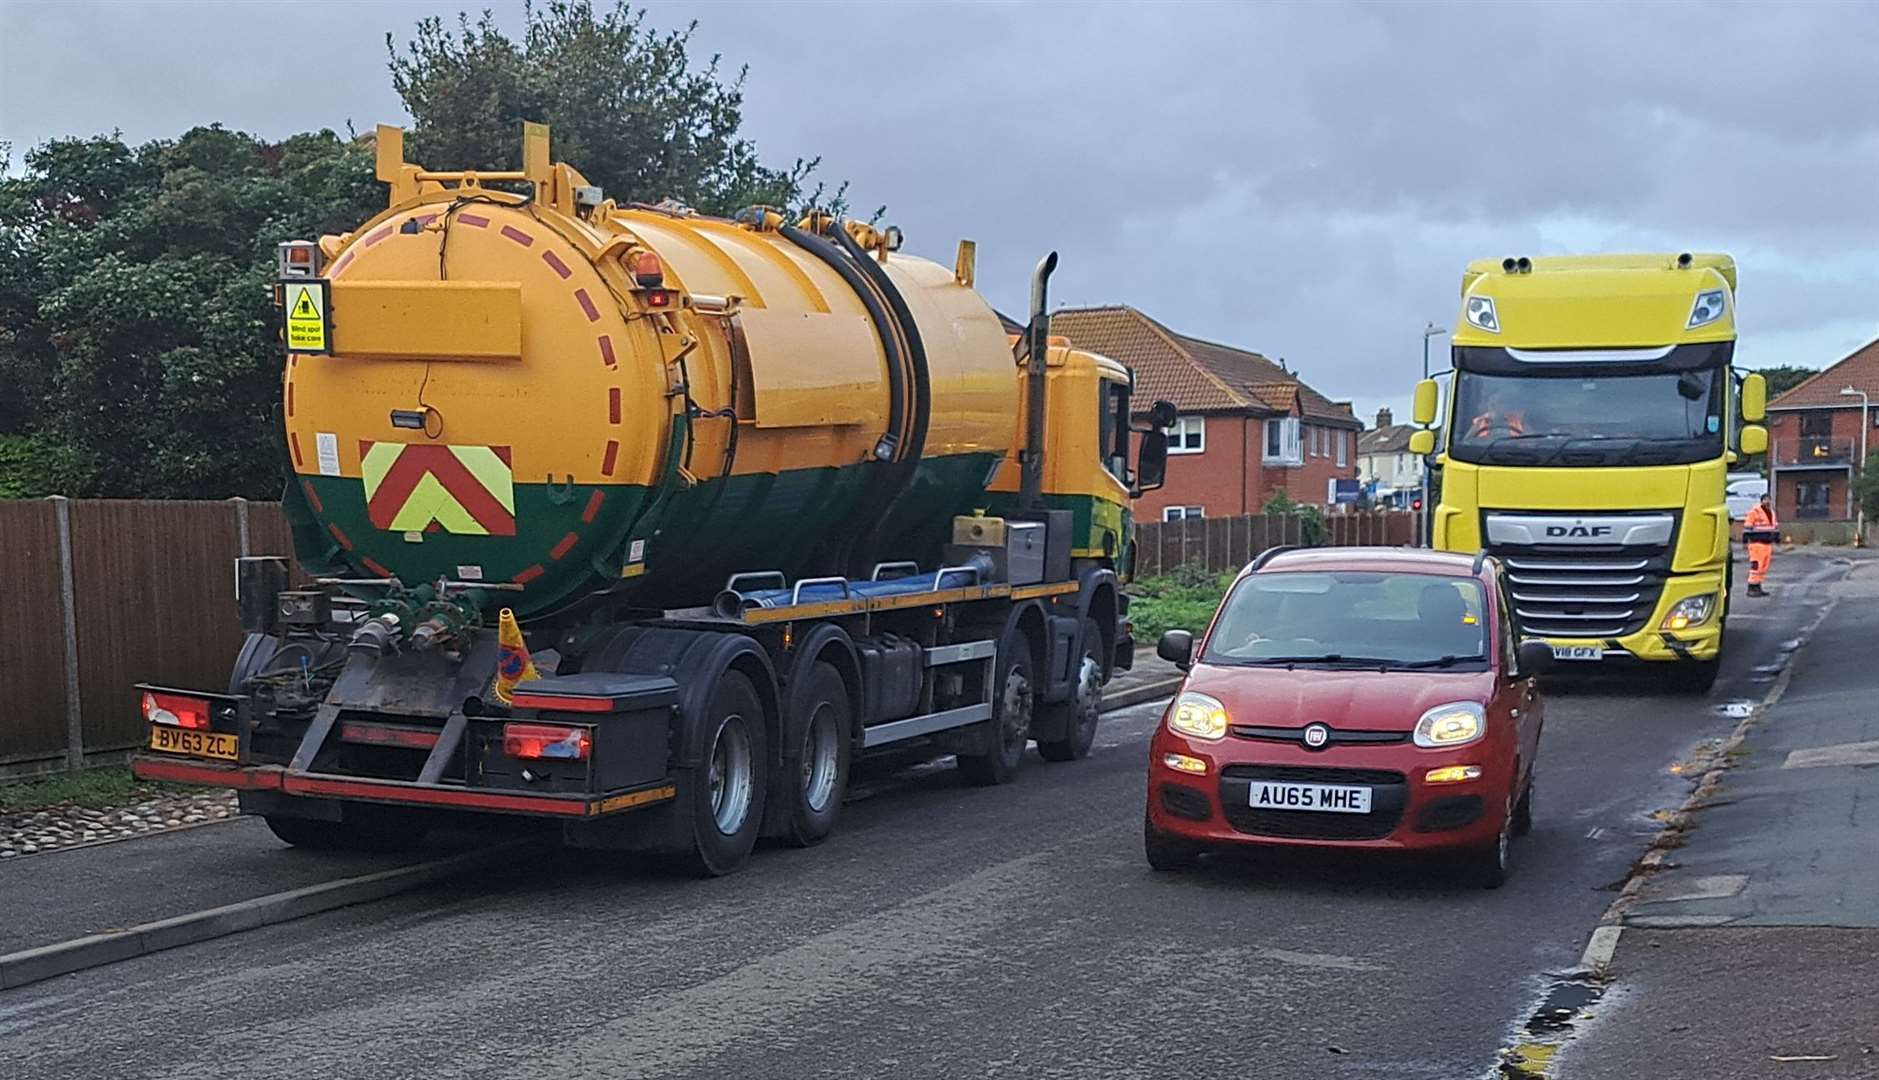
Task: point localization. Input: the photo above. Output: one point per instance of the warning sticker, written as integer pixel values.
(306, 316)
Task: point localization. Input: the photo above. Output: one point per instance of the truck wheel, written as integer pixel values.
(1013, 697)
(1694, 676)
(725, 793)
(390, 833)
(808, 789)
(1085, 707)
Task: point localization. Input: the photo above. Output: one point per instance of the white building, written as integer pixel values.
(1384, 460)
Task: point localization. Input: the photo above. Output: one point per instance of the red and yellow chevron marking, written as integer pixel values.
(468, 490)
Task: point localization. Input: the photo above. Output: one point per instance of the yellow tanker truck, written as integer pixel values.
(1591, 419)
(764, 496)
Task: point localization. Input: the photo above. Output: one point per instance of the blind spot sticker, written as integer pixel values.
(636, 552)
(327, 445)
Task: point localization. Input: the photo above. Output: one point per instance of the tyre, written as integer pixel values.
(1523, 810)
(1694, 676)
(1084, 710)
(1489, 866)
(725, 793)
(806, 792)
(1166, 853)
(386, 831)
(1013, 698)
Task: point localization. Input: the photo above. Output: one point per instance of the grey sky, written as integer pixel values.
(1305, 180)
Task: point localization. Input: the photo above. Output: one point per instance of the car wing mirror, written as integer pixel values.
(1176, 647)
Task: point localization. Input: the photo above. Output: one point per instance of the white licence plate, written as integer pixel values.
(1578, 652)
(1322, 797)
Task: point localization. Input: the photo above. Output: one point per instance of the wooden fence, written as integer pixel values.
(96, 595)
(1230, 543)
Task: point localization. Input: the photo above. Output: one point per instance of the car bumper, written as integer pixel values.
(1407, 813)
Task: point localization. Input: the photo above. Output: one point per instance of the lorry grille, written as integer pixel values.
(1583, 595)
(1582, 576)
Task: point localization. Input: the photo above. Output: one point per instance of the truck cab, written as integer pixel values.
(1592, 416)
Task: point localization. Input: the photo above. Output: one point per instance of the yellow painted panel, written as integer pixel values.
(428, 320)
(1590, 490)
(814, 370)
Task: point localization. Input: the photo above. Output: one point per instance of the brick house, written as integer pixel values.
(1248, 427)
(1814, 439)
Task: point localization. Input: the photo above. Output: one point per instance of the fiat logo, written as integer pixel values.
(1316, 736)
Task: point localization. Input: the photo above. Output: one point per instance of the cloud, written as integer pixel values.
(1305, 180)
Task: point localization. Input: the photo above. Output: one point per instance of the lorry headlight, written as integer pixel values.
(1479, 311)
(1708, 308)
(1456, 724)
(1690, 611)
(1198, 716)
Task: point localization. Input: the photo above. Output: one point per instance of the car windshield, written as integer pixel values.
(1347, 618)
(1588, 419)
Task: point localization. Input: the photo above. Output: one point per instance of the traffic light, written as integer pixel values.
(1415, 504)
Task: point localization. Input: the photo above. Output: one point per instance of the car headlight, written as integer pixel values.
(1479, 311)
(1455, 724)
(1690, 611)
(1199, 717)
(1708, 308)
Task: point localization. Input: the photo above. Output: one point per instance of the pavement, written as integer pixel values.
(1755, 951)
(948, 931)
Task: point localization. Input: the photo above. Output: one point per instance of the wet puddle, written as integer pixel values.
(1567, 1005)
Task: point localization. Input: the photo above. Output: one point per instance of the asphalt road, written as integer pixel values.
(944, 931)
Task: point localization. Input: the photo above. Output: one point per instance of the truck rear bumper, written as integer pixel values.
(396, 792)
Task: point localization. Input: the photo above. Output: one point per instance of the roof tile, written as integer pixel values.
(1859, 369)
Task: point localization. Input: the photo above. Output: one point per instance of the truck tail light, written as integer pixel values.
(553, 742)
(176, 710)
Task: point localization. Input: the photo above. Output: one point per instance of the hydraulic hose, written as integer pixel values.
(888, 449)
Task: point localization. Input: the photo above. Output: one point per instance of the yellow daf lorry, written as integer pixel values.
(1592, 414)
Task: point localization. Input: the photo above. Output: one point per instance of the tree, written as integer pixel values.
(1866, 486)
(627, 104)
(1784, 378)
(1310, 518)
(139, 353)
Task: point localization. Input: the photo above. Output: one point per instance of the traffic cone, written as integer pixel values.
(513, 664)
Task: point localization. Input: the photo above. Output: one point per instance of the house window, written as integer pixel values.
(1317, 441)
(1181, 513)
(1342, 438)
(1811, 498)
(1188, 435)
(1282, 441)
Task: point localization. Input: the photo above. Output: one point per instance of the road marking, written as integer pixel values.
(1853, 753)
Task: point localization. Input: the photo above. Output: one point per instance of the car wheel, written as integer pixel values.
(1014, 696)
(1489, 866)
(1523, 810)
(1085, 707)
(1166, 853)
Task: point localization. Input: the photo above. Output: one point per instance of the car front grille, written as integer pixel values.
(1389, 794)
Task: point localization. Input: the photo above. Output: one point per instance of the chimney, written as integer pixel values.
(1383, 418)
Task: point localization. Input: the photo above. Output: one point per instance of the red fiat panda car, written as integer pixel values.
(1350, 698)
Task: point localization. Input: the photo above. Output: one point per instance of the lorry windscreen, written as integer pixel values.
(1588, 418)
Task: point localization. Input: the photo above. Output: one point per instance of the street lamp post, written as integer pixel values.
(1865, 421)
(1422, 522)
